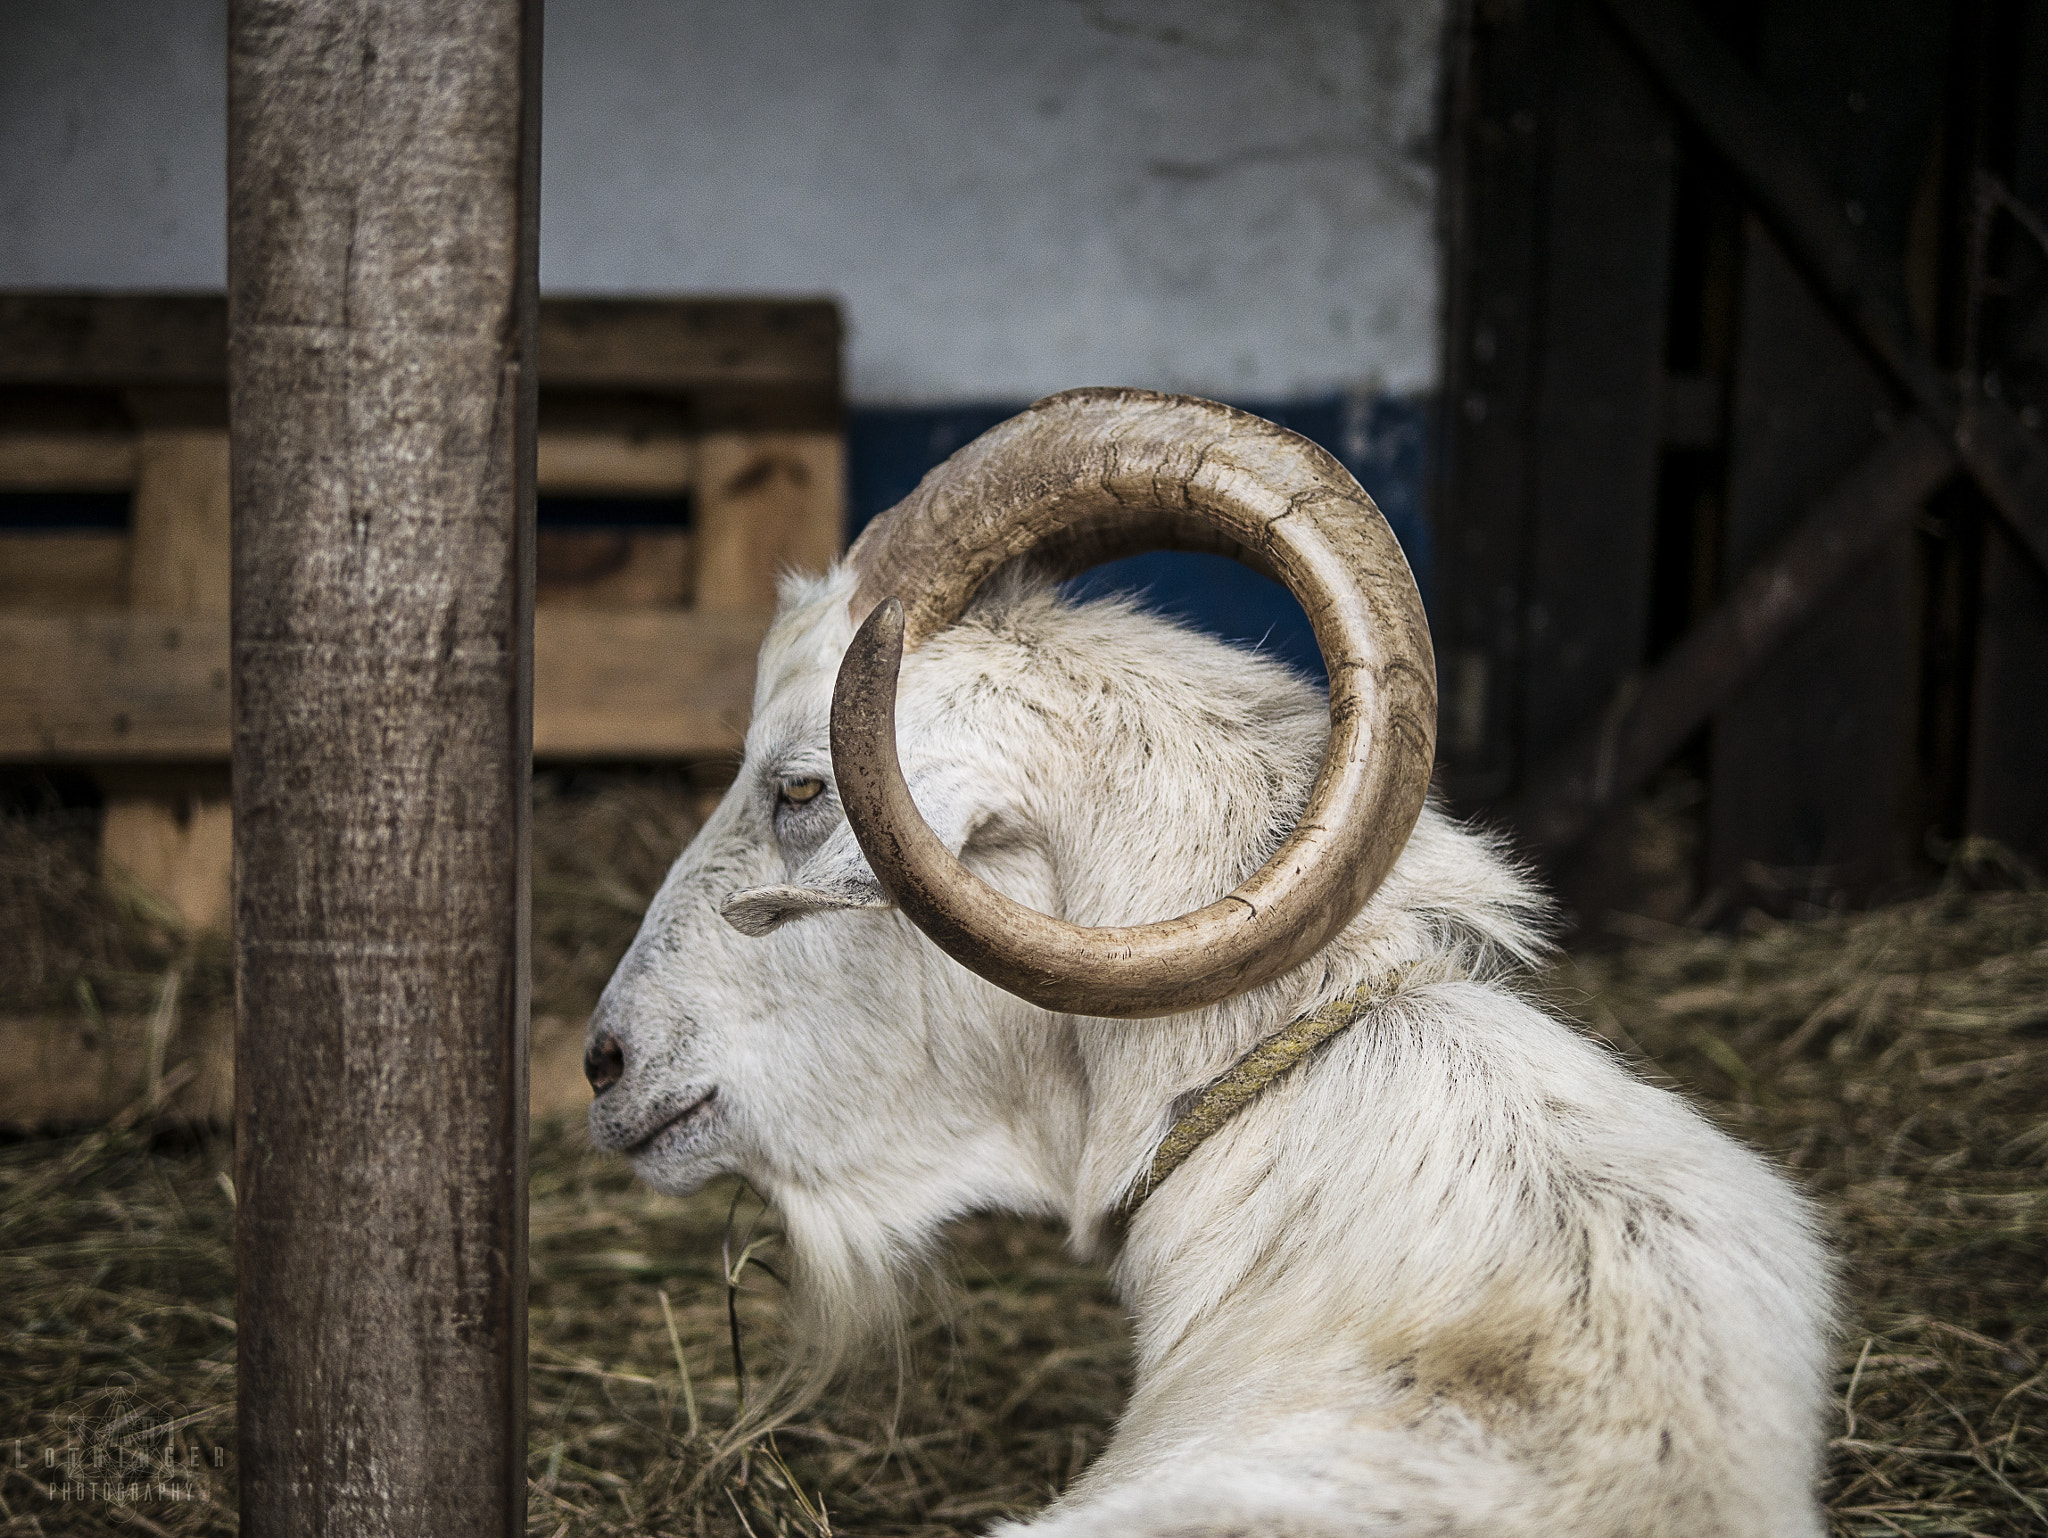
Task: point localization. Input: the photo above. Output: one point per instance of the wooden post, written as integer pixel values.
(383, 170)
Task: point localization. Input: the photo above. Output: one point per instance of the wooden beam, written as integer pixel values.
(1599, 394)
(2008, 760)
(1503, 74)
(1609, 192)
(119, 687)
(1812, 762)
(2008, 694)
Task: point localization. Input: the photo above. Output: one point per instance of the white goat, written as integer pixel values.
(1457, 1272)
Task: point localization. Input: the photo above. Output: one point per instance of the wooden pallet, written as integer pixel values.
(114, 645)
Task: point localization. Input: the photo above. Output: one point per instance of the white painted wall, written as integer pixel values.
(113, 143)
(1010, 196)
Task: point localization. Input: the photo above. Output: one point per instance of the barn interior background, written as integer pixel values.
(1697, 352)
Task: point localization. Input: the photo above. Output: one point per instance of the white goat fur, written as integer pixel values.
(1458, 1273)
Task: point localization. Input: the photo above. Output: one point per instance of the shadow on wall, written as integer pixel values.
(1379, 439)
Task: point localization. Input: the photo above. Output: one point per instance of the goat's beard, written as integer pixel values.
(855, 1280)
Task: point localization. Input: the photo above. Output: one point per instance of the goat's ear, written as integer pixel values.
(838, 876)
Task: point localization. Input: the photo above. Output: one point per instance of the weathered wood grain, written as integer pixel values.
(1649, 717)
(1844, 257)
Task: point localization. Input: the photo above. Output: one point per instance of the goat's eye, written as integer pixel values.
(797, 792)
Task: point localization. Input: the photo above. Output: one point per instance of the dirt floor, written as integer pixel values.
(1897, 1062)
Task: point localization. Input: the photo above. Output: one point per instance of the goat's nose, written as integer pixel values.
(605, 1063)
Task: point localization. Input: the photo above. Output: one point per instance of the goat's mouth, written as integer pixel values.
(646, 1143)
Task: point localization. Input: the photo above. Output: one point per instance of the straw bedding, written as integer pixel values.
(1897, 1061)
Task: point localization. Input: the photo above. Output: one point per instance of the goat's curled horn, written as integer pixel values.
(1090, 476)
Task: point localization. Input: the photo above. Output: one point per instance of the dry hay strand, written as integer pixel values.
(117, 1359)
(1007, 1387)
(78, 942)
(1896, 1061)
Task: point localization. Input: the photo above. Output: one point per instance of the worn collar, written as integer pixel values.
(1241, 1083)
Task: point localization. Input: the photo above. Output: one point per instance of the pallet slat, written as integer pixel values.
(766, 502)
(651, 684)
(46, 461)
(58, 573)
(669, 344)
(615, 464)
(677, 345)
(115, 687)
